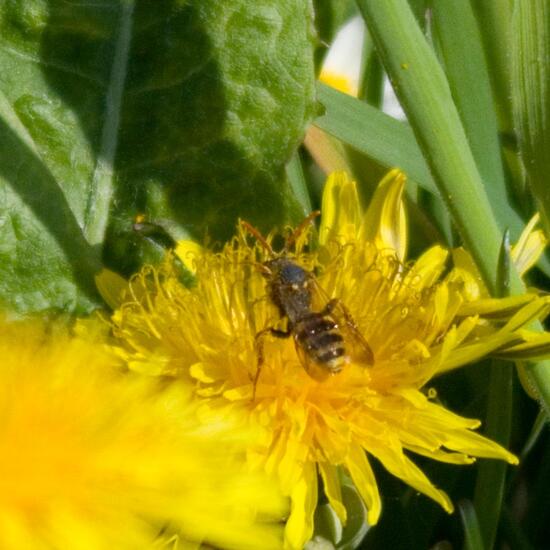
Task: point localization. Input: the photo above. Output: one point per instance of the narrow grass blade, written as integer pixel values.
(538, 427)
(371, 78)
(531, 96)
(458, 42)
(494, 19)
(424, 93)
(493, 16)
(297, 182)
(384, 139)
(489, 491)
(422, 88)
(472, 534)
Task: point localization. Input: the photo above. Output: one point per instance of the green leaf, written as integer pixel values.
(493, 18)
(531, 96)
(388, 142)
(494, 21)
(298, 183)
(356, 527)
(186, 110)
(458, 43)
(329, 531)
(472, 534)
(536, 431)
(376, 142)
(424, 93)
(382, 138)
(489, 491)
(371, 79)
(45, 261)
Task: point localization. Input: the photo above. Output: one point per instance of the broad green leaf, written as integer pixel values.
(180, 109)
(531, 96)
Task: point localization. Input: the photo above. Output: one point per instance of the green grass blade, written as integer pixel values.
(489, 490)
(536, 431)
(458, 42)
(295, 176)
(386, 140)
(472, 534)
(371, 78)
(424, 93)
(531, 96)
(494, 19)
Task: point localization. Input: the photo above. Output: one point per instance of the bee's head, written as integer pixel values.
(286, 272)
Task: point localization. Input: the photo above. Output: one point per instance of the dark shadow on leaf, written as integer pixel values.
(180, 153)
(31, 180)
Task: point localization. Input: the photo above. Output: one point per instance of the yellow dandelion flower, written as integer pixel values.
(91, 458)
(339, 81)
(530, 246)
(418, 319)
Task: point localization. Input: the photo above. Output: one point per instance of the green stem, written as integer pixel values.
(371, 80)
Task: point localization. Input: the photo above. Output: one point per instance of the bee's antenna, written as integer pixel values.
(263, 269)
(300, 229)
(257, 235)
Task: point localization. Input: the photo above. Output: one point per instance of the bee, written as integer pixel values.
(324, 338)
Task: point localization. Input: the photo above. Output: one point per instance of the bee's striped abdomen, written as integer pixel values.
(321, 340)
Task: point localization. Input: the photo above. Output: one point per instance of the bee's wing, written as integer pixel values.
(356, 344)
(314, 370)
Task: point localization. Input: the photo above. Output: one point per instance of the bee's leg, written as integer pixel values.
(259, 346)
(280, 333)
(334, 304)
